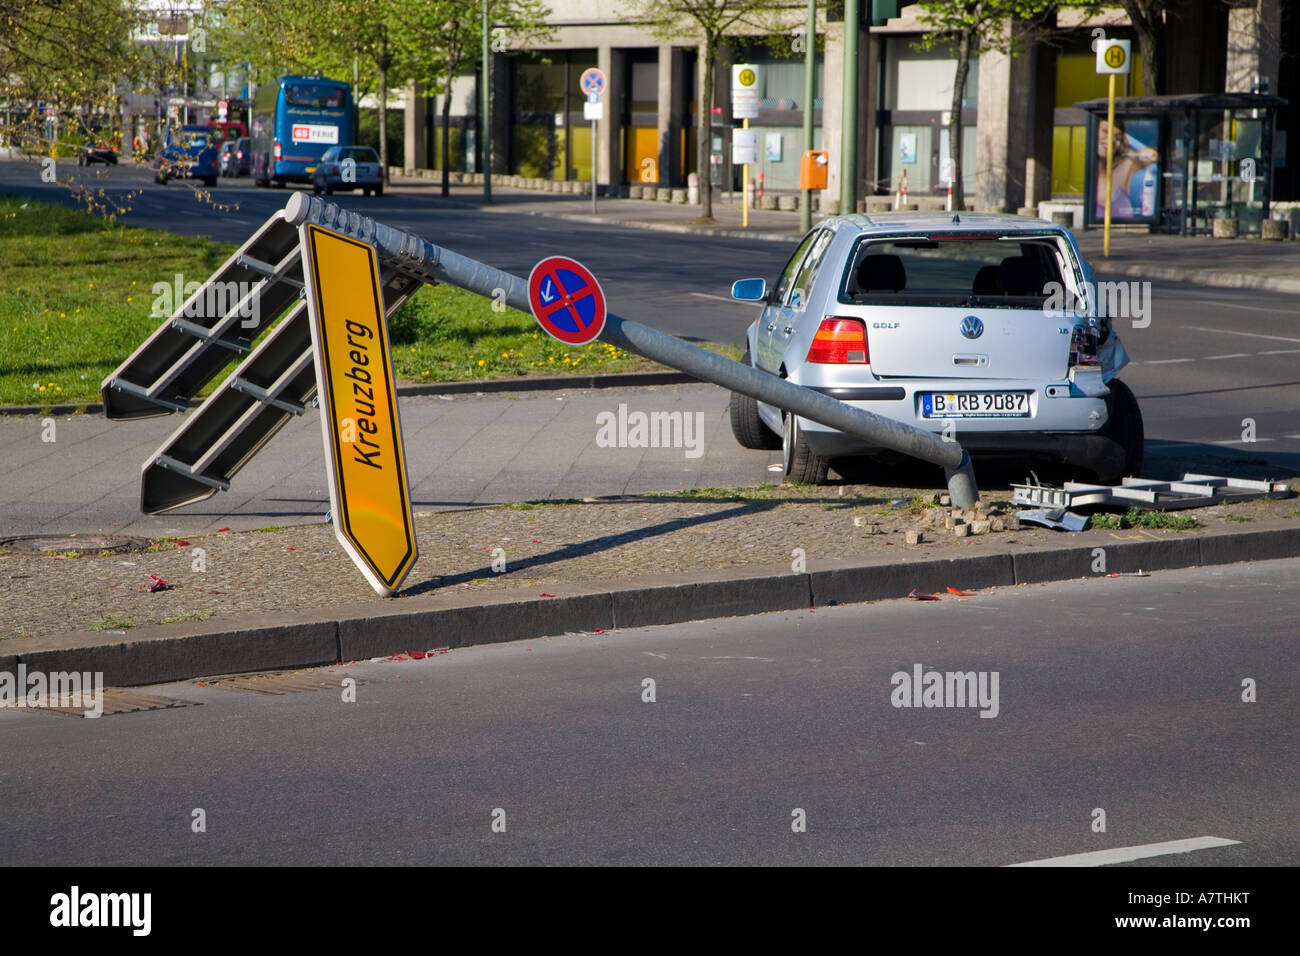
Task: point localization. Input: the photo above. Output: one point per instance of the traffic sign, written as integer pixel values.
(745, 99)
(1114, 56)
(566, 300)
(365, 463)
(744, 146)
(592, 81)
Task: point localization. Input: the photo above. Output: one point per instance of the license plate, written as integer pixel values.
(975, 404)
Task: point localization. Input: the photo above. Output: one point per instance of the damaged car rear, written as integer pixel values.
(986, 329)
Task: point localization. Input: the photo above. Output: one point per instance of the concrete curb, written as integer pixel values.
(549, 383)
(160, 654)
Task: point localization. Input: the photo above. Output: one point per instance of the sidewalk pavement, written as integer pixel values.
(1227, 263)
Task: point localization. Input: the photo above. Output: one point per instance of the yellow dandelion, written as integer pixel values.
(480, 362)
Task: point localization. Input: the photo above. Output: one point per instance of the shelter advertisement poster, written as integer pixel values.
(1135, 188)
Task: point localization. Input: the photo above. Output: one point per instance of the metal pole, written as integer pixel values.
(418, 257)
(744, 183)
(593, 167)
(485, 111)
(809, 74)
(849, 116)
(1110, 156)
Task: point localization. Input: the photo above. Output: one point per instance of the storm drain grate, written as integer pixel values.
(279, 682)
(116, 700)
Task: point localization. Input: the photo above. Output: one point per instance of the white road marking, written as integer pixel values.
(1232, 355)
(1280, 352)
(1237, 305)
(1126, 854)
(1240, 441)
(1166, 361)
(1252, 335)
(720, 298)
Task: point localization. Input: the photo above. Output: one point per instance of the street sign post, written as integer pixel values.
(1114, 57)
(592, 82)
(745, 102)
(365, 462)
(566, 300)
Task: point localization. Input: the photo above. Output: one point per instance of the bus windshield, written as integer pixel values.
(314, 95)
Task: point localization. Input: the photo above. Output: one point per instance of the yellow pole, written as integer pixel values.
(744, 175)
(1110, 158)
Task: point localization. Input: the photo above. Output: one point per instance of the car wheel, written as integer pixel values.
(210, 182)
(277, 183)
(797, 459)
(329, 190)
(746, 425)
(1124, 427)
(315, 187)
(379, 191)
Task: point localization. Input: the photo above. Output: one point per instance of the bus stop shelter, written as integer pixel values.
(1184, 160)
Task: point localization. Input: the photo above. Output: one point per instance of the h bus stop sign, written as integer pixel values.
(566, 300)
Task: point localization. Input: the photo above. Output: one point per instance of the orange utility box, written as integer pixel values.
(812, 169)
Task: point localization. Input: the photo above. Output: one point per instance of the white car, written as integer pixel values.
(984, 328)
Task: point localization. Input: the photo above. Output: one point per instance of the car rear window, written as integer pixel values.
(361, 154)
(952, 270)
(198, 140)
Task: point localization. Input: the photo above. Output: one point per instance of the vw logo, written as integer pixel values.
(972, 327)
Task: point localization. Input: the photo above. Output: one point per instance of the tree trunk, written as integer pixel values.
(955, 127)
(383, 121)
(1148, 24)
(446, 136)
(709, 54)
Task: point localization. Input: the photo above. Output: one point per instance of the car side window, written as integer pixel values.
(807, 272)
(787, 274)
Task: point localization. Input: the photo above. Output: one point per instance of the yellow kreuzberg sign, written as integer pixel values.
(369, 494)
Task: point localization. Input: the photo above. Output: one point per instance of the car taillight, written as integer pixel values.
(239, 154)
(840, 341)
(277, 149)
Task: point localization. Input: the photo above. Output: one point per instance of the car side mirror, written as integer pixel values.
(750, 290)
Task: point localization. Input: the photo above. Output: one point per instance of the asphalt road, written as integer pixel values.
(1122, 695)
(1212, 365)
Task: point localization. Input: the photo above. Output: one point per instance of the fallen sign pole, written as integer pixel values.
(422, 259)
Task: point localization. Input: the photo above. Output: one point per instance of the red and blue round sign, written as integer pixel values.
(566, 300)
(592, 81)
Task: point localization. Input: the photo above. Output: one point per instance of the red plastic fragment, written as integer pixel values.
(922, 597)
(960, 592)
(157, 584)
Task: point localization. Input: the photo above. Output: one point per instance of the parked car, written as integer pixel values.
(987, 328)
(348, 167)
(187, 153)
(91, 153)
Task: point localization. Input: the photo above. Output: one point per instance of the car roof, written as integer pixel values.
(939, 221)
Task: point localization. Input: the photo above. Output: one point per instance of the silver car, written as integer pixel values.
(980, 327)
(348, 167)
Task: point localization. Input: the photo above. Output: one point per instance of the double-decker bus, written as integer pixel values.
(294, 122)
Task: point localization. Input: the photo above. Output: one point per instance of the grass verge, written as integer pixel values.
(77, 297)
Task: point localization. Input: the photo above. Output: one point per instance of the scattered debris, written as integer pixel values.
(1129, 574)
(960, 593)
(923, 597)
(913, 537)
(1192, 491)
(158, 584)
(1057, 518)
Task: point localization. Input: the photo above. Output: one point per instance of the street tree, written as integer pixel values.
(709, 22)
(1148, 20)
(441, 44)
(967, 27)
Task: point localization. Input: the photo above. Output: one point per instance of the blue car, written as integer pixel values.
(187, 153)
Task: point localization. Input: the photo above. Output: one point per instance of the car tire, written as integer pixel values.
(277, 183)
(797, 459)
(329, 190)
(746, 425)
(1124, 427)
(315, 188)
(379, 191)
(210, 182)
